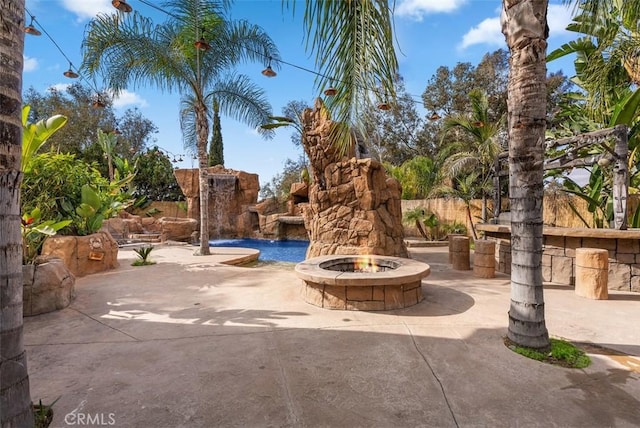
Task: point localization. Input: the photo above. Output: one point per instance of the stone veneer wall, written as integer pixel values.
(558, 258)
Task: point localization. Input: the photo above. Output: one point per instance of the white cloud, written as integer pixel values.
(87, 8)
(126, 98)
(558, 17)
(417, 9)
(489, 31)
(59, 87)
(29, 64)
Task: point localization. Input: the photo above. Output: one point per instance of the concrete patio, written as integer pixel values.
(192, 342)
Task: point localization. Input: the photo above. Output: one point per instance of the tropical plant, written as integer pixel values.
(131, 50)
(421, 219)
(353, 46)
(454, 227)
(35, 135)
(54, 178)
(417, 176)
(34, 232)
(95, 206)
(143, 256)
(464, 188)
(15, 398)
(476, 144)
(107, 142)
(606, 55)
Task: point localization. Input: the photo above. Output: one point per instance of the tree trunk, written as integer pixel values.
(421, 229)
(15, 398)
(470, 218)
(524, 25)
(202, 133)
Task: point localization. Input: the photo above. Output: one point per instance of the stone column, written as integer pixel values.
(592, 267)
(484, 259)
(460, 253)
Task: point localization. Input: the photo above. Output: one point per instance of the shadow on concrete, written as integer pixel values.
(400, 376)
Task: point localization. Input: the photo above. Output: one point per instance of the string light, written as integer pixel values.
(201, 44)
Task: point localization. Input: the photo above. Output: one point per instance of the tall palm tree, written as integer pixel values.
(477, 144)
(15, 398)
(524, 24)
(131, 50)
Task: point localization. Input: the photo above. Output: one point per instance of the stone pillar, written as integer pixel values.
(592, 266)
(484, 259)
(460, 253)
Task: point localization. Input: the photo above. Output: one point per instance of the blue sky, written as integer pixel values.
(430, 33)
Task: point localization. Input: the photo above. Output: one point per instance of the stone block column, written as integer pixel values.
(592, 266)
(484, 259)
(460, 253)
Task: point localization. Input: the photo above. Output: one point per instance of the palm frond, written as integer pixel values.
(353, 46)
(244, 101)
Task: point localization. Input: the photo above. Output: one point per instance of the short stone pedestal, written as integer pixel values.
(450, 239)
(592, 266)
(484, 259)
(459, 251)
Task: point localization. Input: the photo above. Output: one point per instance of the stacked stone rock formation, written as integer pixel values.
(235, 220)
(354, 207)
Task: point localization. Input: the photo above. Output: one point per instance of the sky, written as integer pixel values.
(429, 33)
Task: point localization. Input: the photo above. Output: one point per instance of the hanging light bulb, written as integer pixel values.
(70, 73)
(434, 116)
(202, 43)
(98, 103)
(330, 91)
(31, 29)
(122, 5)
(269, 71)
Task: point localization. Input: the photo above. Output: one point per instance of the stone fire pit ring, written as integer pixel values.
(328, 283)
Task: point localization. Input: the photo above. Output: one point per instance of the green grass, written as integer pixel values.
(562, 353)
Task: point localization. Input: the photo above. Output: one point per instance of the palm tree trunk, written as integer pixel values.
(470, 218)
(202, 133)
(421, 229)
(524, 25)
(15, 398)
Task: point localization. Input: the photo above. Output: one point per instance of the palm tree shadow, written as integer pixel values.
(604, 384)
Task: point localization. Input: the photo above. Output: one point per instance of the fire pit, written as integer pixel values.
(362, 283)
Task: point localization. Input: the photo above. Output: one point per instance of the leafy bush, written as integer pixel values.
(63, 187)
(56, 179)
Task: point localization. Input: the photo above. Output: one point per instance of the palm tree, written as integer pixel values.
(524, 25)
(465, 188)
(477, 146)
(15, 398)
(130, 50)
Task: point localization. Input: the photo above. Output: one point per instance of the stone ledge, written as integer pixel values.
(407, 270)
(569, 231)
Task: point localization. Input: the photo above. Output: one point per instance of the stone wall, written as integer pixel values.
(354, 207)
(558, 258)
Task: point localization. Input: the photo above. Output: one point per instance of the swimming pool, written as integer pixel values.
(270, 250)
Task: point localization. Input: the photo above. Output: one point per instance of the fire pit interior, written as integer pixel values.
(368, 283)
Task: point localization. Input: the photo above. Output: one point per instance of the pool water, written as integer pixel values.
(270, 250)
